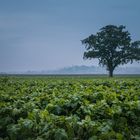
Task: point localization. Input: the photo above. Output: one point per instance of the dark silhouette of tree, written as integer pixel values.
(112, 46)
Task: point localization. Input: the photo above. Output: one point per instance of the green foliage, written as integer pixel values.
(69, 109)
(112, 46)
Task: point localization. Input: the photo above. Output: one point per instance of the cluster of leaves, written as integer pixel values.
(69, 109)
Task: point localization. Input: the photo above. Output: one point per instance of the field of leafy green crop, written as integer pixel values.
(69, 108)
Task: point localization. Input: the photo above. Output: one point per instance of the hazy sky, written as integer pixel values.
(45, 34)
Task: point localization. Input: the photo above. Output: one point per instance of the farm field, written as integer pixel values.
(69, 108)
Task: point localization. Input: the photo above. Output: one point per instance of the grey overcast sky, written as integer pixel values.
(45, 34)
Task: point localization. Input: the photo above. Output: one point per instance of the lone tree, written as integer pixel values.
(112, 46)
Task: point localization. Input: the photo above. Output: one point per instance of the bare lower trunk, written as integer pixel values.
(110, 73)
(110, 68)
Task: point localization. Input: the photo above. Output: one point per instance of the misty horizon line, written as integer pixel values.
(79, 69)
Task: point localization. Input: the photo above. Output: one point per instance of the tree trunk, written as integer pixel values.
(110, 73)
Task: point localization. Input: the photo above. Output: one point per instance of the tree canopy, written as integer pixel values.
(112, 46)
